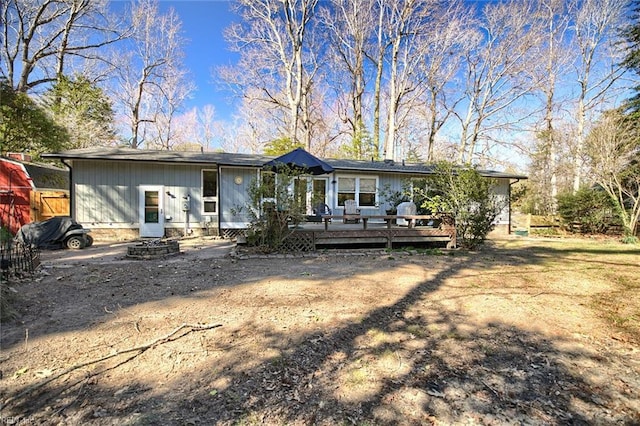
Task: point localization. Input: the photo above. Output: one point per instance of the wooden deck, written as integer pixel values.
(382, 231)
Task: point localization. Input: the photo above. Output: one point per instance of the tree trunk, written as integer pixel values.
(579, 148)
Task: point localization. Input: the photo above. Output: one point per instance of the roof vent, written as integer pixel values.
(388, 161)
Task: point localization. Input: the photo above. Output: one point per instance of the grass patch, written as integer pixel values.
(417, 330)
(410, 251)
(617, 306)
(357, 376)
(546, 232)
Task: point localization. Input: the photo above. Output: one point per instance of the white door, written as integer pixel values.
(151, 211)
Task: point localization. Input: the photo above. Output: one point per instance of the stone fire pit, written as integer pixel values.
(155, 248)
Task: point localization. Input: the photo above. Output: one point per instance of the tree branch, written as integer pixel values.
(140, 349)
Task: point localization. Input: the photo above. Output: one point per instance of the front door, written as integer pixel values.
(151, 211)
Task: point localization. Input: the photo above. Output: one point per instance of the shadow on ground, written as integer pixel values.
(416, 361)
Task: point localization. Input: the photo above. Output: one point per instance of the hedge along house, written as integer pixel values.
(129, 193)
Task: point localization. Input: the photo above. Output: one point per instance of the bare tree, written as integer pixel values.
(197, 127)
(186, 129)
(169, 98)
(206, 125)
(275, 57)
(495, 72)
(548, 64)
(150, 72)
(404, 31)
(253, 126)
(597, 64)
(409, 45)
(377, 55)
(613, 151)
(447, 36)
(348, 25)
(41, 37)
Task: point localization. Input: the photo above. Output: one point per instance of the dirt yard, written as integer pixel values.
(524, 332)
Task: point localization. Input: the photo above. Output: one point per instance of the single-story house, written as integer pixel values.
(127, 193)
(31, 192)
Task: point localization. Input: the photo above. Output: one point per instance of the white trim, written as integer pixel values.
(357, 189)
(151, 229)
(215, 199)
(234, 225)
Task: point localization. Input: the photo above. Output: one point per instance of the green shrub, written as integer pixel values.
(273, 208)
(591, 209)
(467, 196)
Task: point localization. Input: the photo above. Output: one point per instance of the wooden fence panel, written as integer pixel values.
(47, 204)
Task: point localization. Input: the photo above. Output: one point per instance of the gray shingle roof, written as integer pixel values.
(248, 160)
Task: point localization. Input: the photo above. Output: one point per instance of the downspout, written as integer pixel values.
(509, 195)
(71, 191)
(219, 206)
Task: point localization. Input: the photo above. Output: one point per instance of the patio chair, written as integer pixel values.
(351, 212)
(318, 211)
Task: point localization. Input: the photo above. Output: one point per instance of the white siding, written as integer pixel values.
(502, 192)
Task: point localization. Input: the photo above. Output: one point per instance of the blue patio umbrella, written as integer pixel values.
(299, 160)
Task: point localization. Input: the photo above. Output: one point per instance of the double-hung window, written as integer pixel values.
(361, 189)
(346, 189)
(367, 192)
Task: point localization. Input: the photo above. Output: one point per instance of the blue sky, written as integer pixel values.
(203, 23)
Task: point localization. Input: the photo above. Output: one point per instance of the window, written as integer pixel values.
(346, 189)
(210, 191)
(151, 206)
(367, 192)
(361, 189)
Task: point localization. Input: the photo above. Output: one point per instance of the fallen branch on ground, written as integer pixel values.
(140, 349)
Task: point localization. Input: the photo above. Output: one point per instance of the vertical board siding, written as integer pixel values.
(501, 190)
(234, 198)
(391, 182)
(107, 192)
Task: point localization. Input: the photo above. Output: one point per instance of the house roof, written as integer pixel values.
(250, 160)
